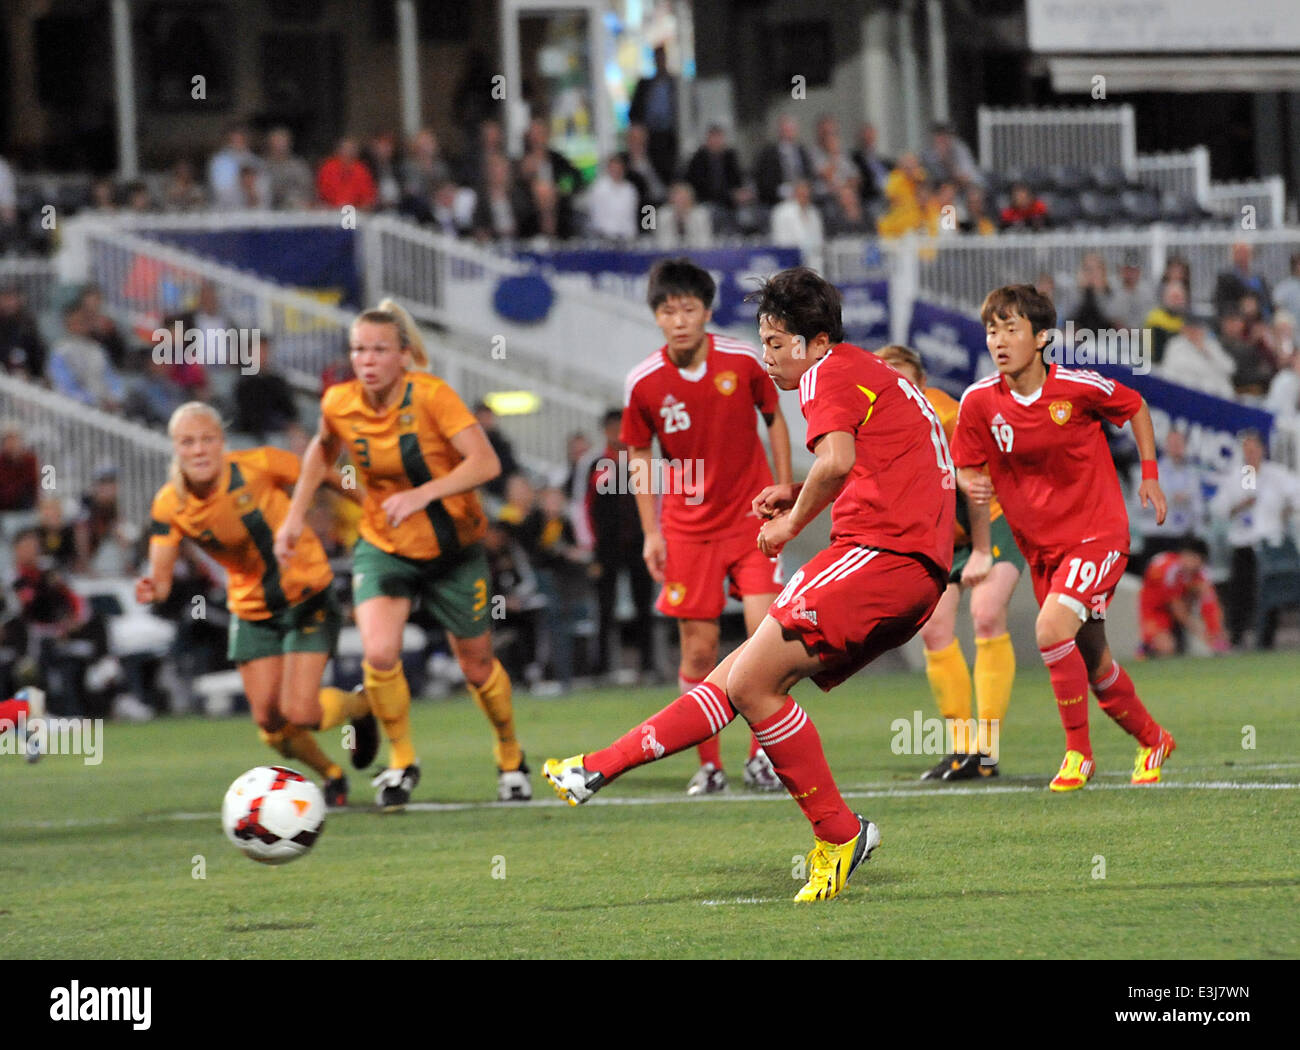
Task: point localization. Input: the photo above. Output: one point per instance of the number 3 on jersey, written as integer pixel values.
(675, 417)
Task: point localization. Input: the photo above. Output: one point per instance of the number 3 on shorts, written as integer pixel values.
(480, 594)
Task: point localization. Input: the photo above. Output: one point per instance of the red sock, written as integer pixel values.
(10, 711)
(711, 749)
(1119, 699)
(754, 746)
(791, 742)
(690, 719)
(1069, 677)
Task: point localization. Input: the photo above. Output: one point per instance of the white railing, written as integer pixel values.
(1186, 173)
(71, 440)
(1044, 138)
(37, 277)
(1267, 198)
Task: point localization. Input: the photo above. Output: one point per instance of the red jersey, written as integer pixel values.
(1166, 582)
(705, 423)
(901, 494)
(1048, 458)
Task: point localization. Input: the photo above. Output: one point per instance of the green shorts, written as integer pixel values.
(1004, 549)
(308, 627)
(454, 589)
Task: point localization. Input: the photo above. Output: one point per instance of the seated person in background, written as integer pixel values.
(104, 539)
(22, 350)
(1239, 280)
(1025, 211)
(1253, 368)
(513, 581)
(1167, 319)
(682, 223)
(1178, 600)
(58, 538)
(264, 402)
(1283, 398)
(19, 481)
(846, 215)
(1180, 479)
(79, 367)
(902, 190)
(977, 218)
(1194, 358)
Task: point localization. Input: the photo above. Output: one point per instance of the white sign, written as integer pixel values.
(1065, 26)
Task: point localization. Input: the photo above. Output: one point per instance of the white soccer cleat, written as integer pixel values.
(513, 785)
(708, 780)
(759, 774)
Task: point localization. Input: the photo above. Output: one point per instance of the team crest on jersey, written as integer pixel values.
(725, 382)
(1060, 412)
(675, 593)
(405, 419)
(243, 500)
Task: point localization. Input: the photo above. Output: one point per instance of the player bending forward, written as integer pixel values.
(883, 461)
(1038, 429)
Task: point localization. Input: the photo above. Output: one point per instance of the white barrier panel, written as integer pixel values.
(1043, 138)
(1186, 173)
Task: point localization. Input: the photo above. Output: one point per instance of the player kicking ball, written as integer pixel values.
(1038, 430)
(883, 461)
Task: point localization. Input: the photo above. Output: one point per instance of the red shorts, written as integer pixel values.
(1085, 577)
(1155, 622)
(849, 604)
(695, 572)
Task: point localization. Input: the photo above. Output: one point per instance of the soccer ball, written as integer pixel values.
(273, 814)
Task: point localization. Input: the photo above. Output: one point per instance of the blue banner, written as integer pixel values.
(950, 344)
(736, 271)
(866, 313)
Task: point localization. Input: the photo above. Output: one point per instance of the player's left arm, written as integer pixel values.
(1144, 434)
(479, 464)
(981, 537)
(778, 433)
(836, 455)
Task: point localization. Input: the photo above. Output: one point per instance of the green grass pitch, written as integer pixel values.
(98, 861)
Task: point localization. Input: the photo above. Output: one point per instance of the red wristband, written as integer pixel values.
(1149, 470)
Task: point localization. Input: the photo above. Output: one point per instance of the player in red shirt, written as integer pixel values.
(882, 460)
(1176, 582)
(697, 395)
(1038, 429)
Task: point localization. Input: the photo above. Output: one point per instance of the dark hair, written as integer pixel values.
(614, 415)
(1021, 299)
(1195, 545)
(670, 277)
(803, 302)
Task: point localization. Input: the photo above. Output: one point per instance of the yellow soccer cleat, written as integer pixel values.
(830, 864)
(1075, 771)
(572, 781)
(1146, 770)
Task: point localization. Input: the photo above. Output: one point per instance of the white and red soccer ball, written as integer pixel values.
(273, 814)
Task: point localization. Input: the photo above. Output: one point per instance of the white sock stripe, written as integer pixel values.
(1109, 680)
(708, 711)
(791, 716)
(1052, 656)
(714, 707)
(767, 739)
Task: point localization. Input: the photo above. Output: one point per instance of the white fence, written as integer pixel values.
(37, 277)
(1266, 197)
(1043, 138)
(1185, 173)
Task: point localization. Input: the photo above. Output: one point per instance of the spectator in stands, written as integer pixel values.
(155, 395)
(1194, 358)
(208, 317)
(949, 159)
(138, 198)
(103, 195)
(19, 481)
(263, 400)
(487, 419)
(939, 208)
(846, 215)
(79, 367)
(782, 163)
(798, 223)
(225, 165)
(22, 350)
(832, 167)
(343, 180)
(291, 186)
(1091, 306)
(498, 202)
(423, 169)
(1253, 369)
(254, 193)
(1259, 333)
(381, 158)
(873, 168)
(58, 537)
(1045, 284)
(451, 211)
(103, 329)
(612, 204)
(541, 163)
(1286, 296)
(1178, 269)
(682, 223)
(1178, 600)
(489, 144)
(547, 215)
(1168, 318)
(520, 501)
(181, 191)
(513, 580)
(903, 192)
(640, 169)
(1284, 337)
(977, 218)
(714, 170)
(1134, 298)
(9, 231)
(1254, 498)
(104, 540)
(1283, 398)
(1180, 480)
(654, 105)
(1241, 280)
(1024, 210)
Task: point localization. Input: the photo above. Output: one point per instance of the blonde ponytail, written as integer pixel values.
(389, 311)
(175, 476)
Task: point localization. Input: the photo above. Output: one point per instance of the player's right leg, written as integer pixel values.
(699, 655)
(995, 657)
(950, 684)
(381, 620)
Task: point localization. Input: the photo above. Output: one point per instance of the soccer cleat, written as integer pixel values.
(1146, 770)
(958, 766)
(513, 785)
(336, 792)
(35, 714)
(1075, 771)
(759, 774)
(395, 787)
(572, 781)
(830, 865)
(708, 780)
(365, 737)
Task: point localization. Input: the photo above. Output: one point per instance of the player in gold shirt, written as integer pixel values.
(284, 620)
(420, 454)
(987, 561)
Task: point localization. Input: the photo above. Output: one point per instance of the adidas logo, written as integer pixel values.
(998, 418)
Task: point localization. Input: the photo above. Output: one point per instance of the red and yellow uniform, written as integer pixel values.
(402, 448)
(236, 525)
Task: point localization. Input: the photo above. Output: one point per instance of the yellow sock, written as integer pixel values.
(493, 699)
(995, 671)
(950, 683)
(390, 699)
(295, 742)
(338, 705)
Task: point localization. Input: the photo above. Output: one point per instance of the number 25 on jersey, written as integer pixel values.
(675, 417)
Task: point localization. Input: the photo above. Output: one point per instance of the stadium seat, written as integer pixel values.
(1098, 208)
(1179, 208)
(1069, 179)
(1108, 178)
(1140, 206)
(1039, 179)
(1065, 210)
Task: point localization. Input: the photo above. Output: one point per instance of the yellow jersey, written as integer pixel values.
(401, 448)
(236, 525)
(946, 408)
